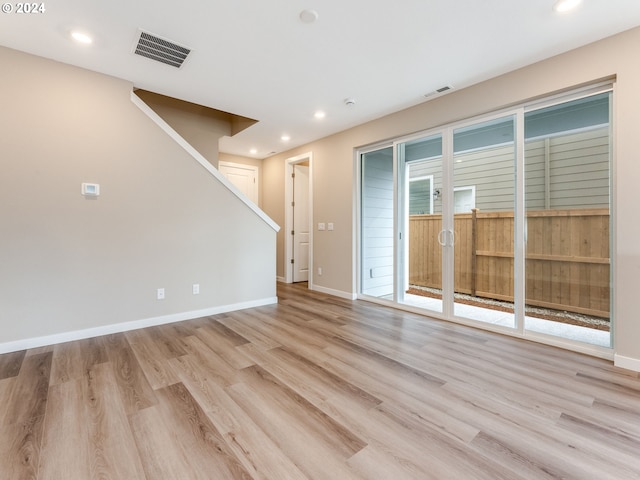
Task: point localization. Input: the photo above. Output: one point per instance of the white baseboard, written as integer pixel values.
(280, 279)
(336, 293)
(627, 362)
(126, 326)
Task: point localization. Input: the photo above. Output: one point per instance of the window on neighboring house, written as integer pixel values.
(464, 199)
(421, 195)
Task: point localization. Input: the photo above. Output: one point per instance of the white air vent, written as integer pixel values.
(439, 91)
(161, 49)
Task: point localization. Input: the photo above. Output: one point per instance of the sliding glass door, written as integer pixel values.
(502, 221)
(420, 203)
(458, 210)
(484, 179)
(568, 213)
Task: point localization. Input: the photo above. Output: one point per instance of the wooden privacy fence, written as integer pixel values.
(567, 257)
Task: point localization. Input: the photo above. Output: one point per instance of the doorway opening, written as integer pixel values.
(299, 219)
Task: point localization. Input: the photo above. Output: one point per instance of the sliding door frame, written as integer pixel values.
(401, 224)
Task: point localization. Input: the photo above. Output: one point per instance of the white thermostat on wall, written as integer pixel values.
(90, 189)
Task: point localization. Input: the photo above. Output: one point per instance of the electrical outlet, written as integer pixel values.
(320, 271)
(160, 294)
(196, 288)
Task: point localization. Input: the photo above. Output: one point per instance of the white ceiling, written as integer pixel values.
(256, 58)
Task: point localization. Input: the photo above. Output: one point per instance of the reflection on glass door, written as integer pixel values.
(484, 191)
(421, 176)
(377, 224)
(567, 199)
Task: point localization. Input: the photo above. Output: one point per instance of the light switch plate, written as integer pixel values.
(321, 226)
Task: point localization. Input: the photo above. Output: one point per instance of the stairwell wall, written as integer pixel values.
(73, 266)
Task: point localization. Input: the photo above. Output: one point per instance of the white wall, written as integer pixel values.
(72, 264)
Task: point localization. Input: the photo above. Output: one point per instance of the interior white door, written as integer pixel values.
(243, 177)
(301, 223)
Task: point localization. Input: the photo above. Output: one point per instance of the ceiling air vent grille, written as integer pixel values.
(161, 50)
(439, 91)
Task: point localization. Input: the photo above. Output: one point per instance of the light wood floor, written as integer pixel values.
(315, 387)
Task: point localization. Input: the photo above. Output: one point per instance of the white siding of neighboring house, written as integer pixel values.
(377, 225)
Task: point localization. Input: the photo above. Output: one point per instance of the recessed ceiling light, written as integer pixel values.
(564, 6)
(81, 37)
(319, 114)
(308, 16)
(253, 151)
(285, 138)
